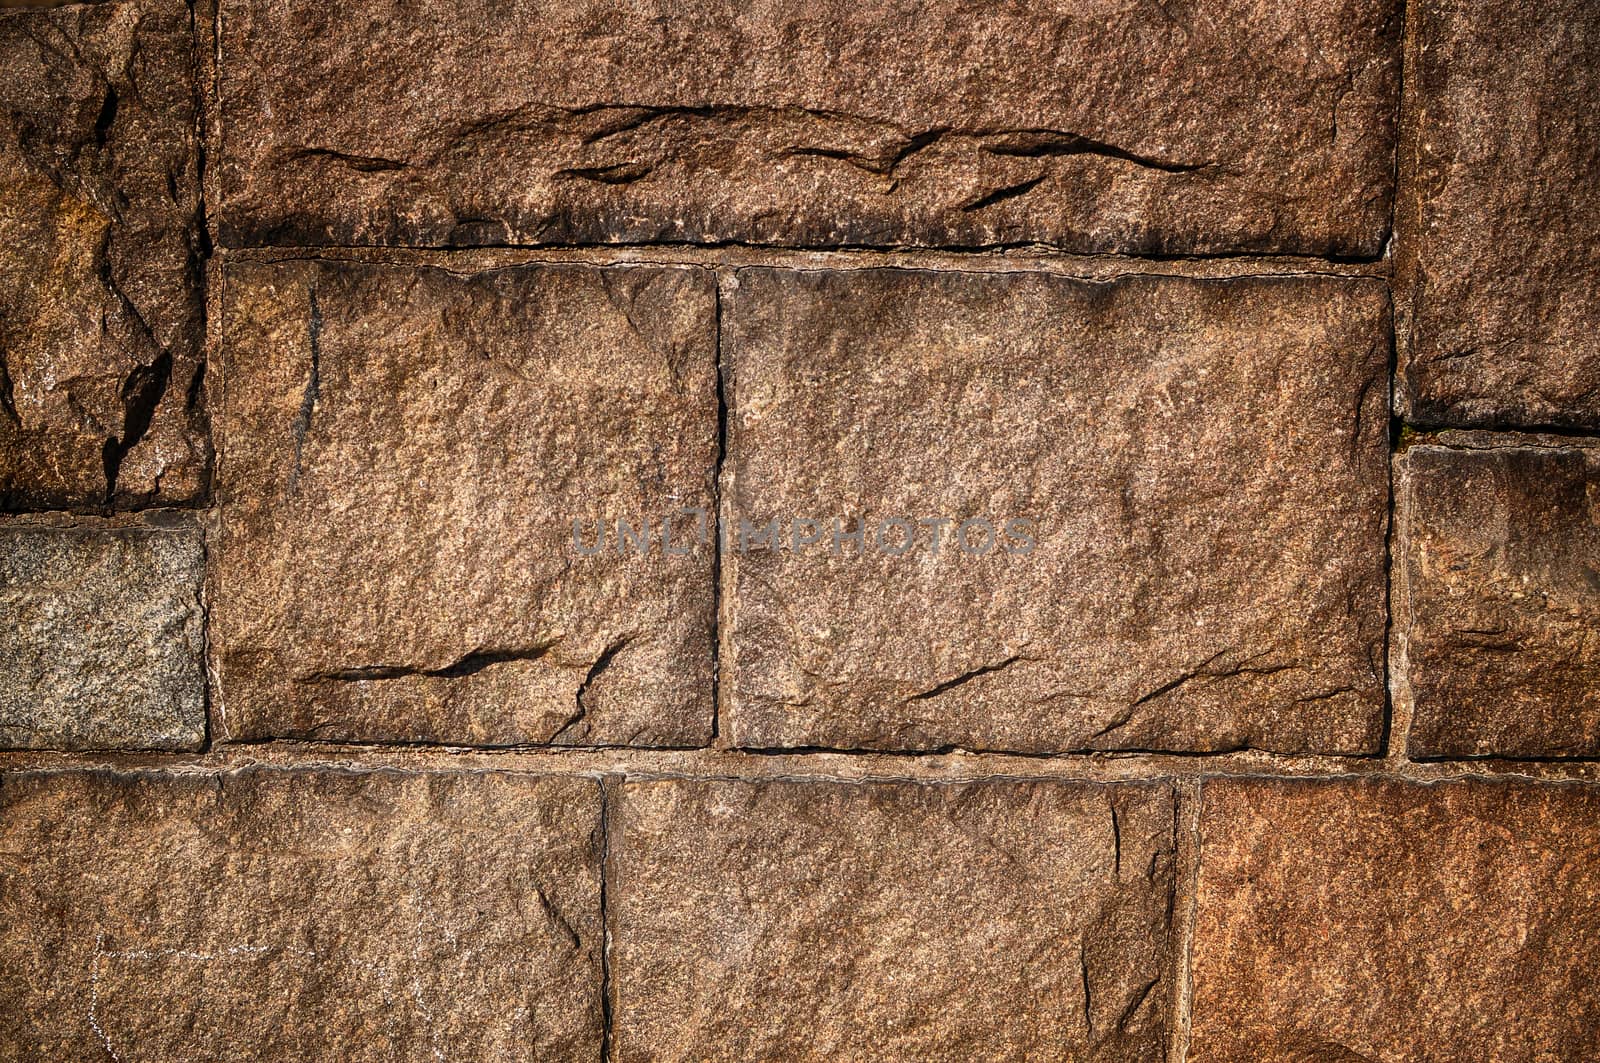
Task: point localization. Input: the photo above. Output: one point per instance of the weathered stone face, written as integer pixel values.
(1203, 464)
(402, 454)
(1154, 128)
(986, 921)
(297, 916)
(100, 642)
(1351, 920)
(1497, 592)
(1505, 263)
(99, 313)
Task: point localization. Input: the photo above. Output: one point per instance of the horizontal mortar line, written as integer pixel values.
(819, 767)
(996, 247)
(1429, 431)
(61, 516)
(1527, 759)
(1020, 258)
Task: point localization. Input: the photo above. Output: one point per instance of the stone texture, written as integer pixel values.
(101, 636)
(1205, 464)
(1381, 920)
(1497, 596)
(402, 454)
(786, 921)
(1502, 273)
(278, 916)
(1163, 127)
(99, 307)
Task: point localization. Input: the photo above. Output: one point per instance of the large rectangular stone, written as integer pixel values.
(403, 452)
(785, 920)
(273, 915)
(1500, 238)
(1203, 463)
(1162, 127)
(99, 302)
(101, 634)
(1497, 596)
(1341, 921)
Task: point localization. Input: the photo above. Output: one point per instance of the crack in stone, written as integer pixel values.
(1050, 143)
(1135, 1003)
(141, 393)
(1116, 842)
(606, 121)
(1204, 672)
(640, 115)
(1338, 1052)
(967, 677)
(1359, 418)
(1304, 699)
(618, 173)
(8, 402)
(601, 663)
(313, 390)
(359, 163)
(883, 164)
(1201, 671)
(107, 116)
(557, 917)
(1000, 195)
(145, 385)
(469, 664)
(1083, 976)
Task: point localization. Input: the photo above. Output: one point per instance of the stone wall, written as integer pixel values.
(800, 531)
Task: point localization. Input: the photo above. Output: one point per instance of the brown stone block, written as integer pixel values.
(99, 304)
(1503, 268)
(1497, 596)
(101, 634)
(1203, 463)
(1170, 127)
(403, 452)
(812, 921)
(1377, 919)
(270, 915)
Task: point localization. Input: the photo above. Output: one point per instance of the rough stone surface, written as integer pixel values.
(282, 916)
(100, 635)
(402, 454)
(996, 921)
(1381, 920)
(1497, 592)
(1505, 262)
(1162, 127)
(99, 310)
(1204, 463)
